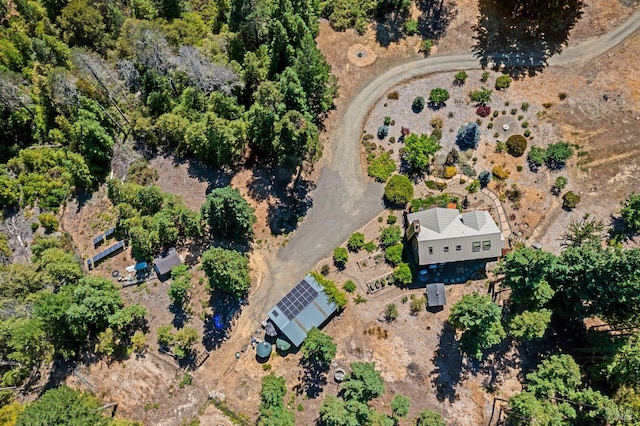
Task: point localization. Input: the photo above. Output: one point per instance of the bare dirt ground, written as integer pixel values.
(418, 356)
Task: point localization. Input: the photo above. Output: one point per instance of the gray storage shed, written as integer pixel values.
(165, 262)
(435, 295)
(304, 307)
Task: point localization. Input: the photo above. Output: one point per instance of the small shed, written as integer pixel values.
(282, 344)
(263, 350)
(436, 296)
(165, 262)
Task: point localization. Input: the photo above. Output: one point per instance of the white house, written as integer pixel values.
(445, 235)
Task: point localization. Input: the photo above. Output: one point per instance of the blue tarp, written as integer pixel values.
(141, 265)
(217, 322)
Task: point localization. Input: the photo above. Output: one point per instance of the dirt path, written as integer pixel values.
(345, 199)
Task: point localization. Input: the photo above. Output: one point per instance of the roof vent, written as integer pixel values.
(416, 226)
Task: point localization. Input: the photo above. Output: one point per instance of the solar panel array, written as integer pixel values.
(297, 299)
(105, 253)
(109, 232)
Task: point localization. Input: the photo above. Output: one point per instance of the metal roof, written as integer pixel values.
(304, 307)
(436, 295)
(165, 262)
(440, 224)
(264, 349)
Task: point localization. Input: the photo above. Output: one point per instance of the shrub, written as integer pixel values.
(393, 254)
(559, 184)
(525, 124)
(514, 111)
(436, 122)
(495, 113)
(387, 120)
(417, 304)
(333, 292)
(537, 157)
(460, 78)
(452, 157)
(490, 126)
(484, 178)
(500, 147)
(49, 222)
(485, 76)
(340, 256)
(393, 95)
(392, 140)
(324, 270)
(503, 82)
(468, 136)
(391, 219)
(383, 131)
(520, 117)
(527, 133)
(562, 96)
(516, 145)
(391, 312)
(482, 96)
(426, 46)
(438, 97)
(370, 246)
(449, 172)
(570, 200)
(418, 103)
(349, 286)
(557, 154)
(398, 191)
(473, 187)
(389, 236)
(382, 167)
(524, 106)
(483, 110)
(419, 150)
(356, 241)
(411, 27)
(519, 168)
(402, 274)
(501, 172)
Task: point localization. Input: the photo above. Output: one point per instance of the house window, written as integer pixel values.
(476, 246)
(486, 245)
(458, 248)
(446, 249)
(430, 250)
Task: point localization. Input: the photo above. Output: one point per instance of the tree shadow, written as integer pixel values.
(217, 327)
(390, 28)
(285, 213)
(180, 316)
(448, 365)
(312, 379)
(436, 15)
(518, 37)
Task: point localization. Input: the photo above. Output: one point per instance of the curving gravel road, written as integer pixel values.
(345, 199)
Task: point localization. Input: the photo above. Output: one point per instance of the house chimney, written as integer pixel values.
(416, 227)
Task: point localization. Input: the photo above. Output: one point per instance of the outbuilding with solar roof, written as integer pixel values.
(304, 307)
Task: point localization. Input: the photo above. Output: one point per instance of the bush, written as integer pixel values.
(527, 133)
(411, 27)
(426, 46)
(570, 200)
(418, 103)
(398, 191)
(519, 168)
(501, 172)
(473, 187)
(450, 171)
(525, 124)
(468, 136)
(460, 78)
(557, 154)
(402, 274)
(393, 95)
(484, 178)
(370, 246)
(383, 131)
(438, 97)
(390, 236)
(349, 286)
(356, 241)
(340, 256)
(382, 167)
(437, 122)
(560, 183)
(393, 254)
(503, 82)
(524, 106)
(391, 312)
(334, 294)
(516, 145)
(417, 304)
(483, 110)
(485, 76)
(49, 222)
(537, 157)
(482, 96)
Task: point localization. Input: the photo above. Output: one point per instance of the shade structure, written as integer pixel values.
(263, 349)
(270, 329)
(282, 344)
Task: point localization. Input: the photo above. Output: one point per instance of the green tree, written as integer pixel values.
(390, 235)
(402, 274)
(227, 270)
(272, 410)
(340, 256)
(478, 317)
(537, 157)
(525, 272)
(393, 254)
(516, 145)
(630, 212)
(419, 151)
(623, 368)
(559, 184)
(296, 137)
(399, 190)
(557, 154)
(400, 405)
(391, 312)
(381, 167)
(364, 383)
(179, 289)
(468, 136)
(184, 340)
(82, 24)
(318, 347)
(429, 418)
(530, 325)
(559, 375)
(584, 231)
(356, 241)
(570, 200)
(227, 213)
(334, 412)
(63, 406)
(438, 97)
(315, 75)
